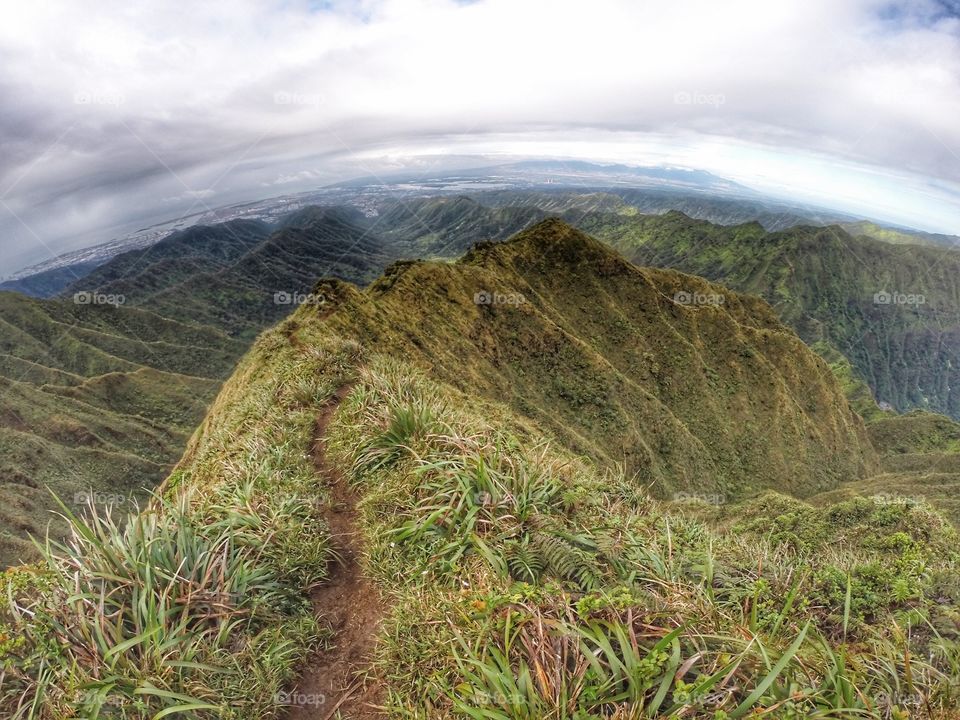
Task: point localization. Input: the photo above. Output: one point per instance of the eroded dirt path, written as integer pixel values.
(334, 683)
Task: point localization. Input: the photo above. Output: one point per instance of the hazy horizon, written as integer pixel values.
(118, 117)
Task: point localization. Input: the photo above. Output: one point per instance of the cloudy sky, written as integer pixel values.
(117, 114)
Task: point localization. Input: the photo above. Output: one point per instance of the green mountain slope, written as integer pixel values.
(920, 461)
(448, 226)
(713, 399)
(900, 236)
(243, 285)
(829, 287)
(821, 281)
(96, 402)
(522, 574)
(139, 274)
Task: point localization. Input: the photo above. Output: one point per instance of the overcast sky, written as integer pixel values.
(117, 113)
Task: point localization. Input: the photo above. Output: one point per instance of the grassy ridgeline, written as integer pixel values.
(523, 579)
(523, 582)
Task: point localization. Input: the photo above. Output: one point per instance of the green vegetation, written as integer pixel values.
(228, 276)
(526, 584)
(198, 606)
(715, 398)
(916, 432)
(900, 236)
(920, 458)
(98, 403)
(822, 282)
(93, 408)
(587, 490)
(527, 570)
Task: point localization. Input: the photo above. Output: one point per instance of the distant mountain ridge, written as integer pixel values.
(826, 284)
(697, 193)
(893, 310)
(243, 276)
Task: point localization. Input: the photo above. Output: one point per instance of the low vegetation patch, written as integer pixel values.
(526, 584)
(198, 606)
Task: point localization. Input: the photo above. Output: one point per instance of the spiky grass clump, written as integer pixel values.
(198, 606)
(147, 617)
(528, 585)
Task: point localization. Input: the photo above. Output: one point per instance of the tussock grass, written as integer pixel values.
(196, 607)
(527, 584)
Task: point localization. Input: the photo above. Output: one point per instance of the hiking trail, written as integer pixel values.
(334, 683)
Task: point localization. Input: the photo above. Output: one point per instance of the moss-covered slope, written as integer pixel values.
(716, 398)
(523, 574)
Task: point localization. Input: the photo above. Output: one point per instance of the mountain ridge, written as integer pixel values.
(546, 331)
(507, 551)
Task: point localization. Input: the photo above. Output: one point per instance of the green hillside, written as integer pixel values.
(825, 284)
(900, 236)
(97, 404)
(421, 490)
(920, 461)
(241, 278)
(139, 274)
(715, 399)
(447, 226)
(99, 400)
(821, 281)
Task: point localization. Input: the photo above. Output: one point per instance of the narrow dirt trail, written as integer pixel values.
(333, 685)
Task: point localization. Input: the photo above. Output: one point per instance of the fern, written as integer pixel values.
(524, 564)
(564, 560)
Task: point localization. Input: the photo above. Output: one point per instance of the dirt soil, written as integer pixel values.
(335, 683)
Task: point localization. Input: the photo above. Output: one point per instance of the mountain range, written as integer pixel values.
(225, 283)
(535, 481)
(649, 190)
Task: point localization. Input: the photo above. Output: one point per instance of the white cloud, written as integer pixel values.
(113, 106)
